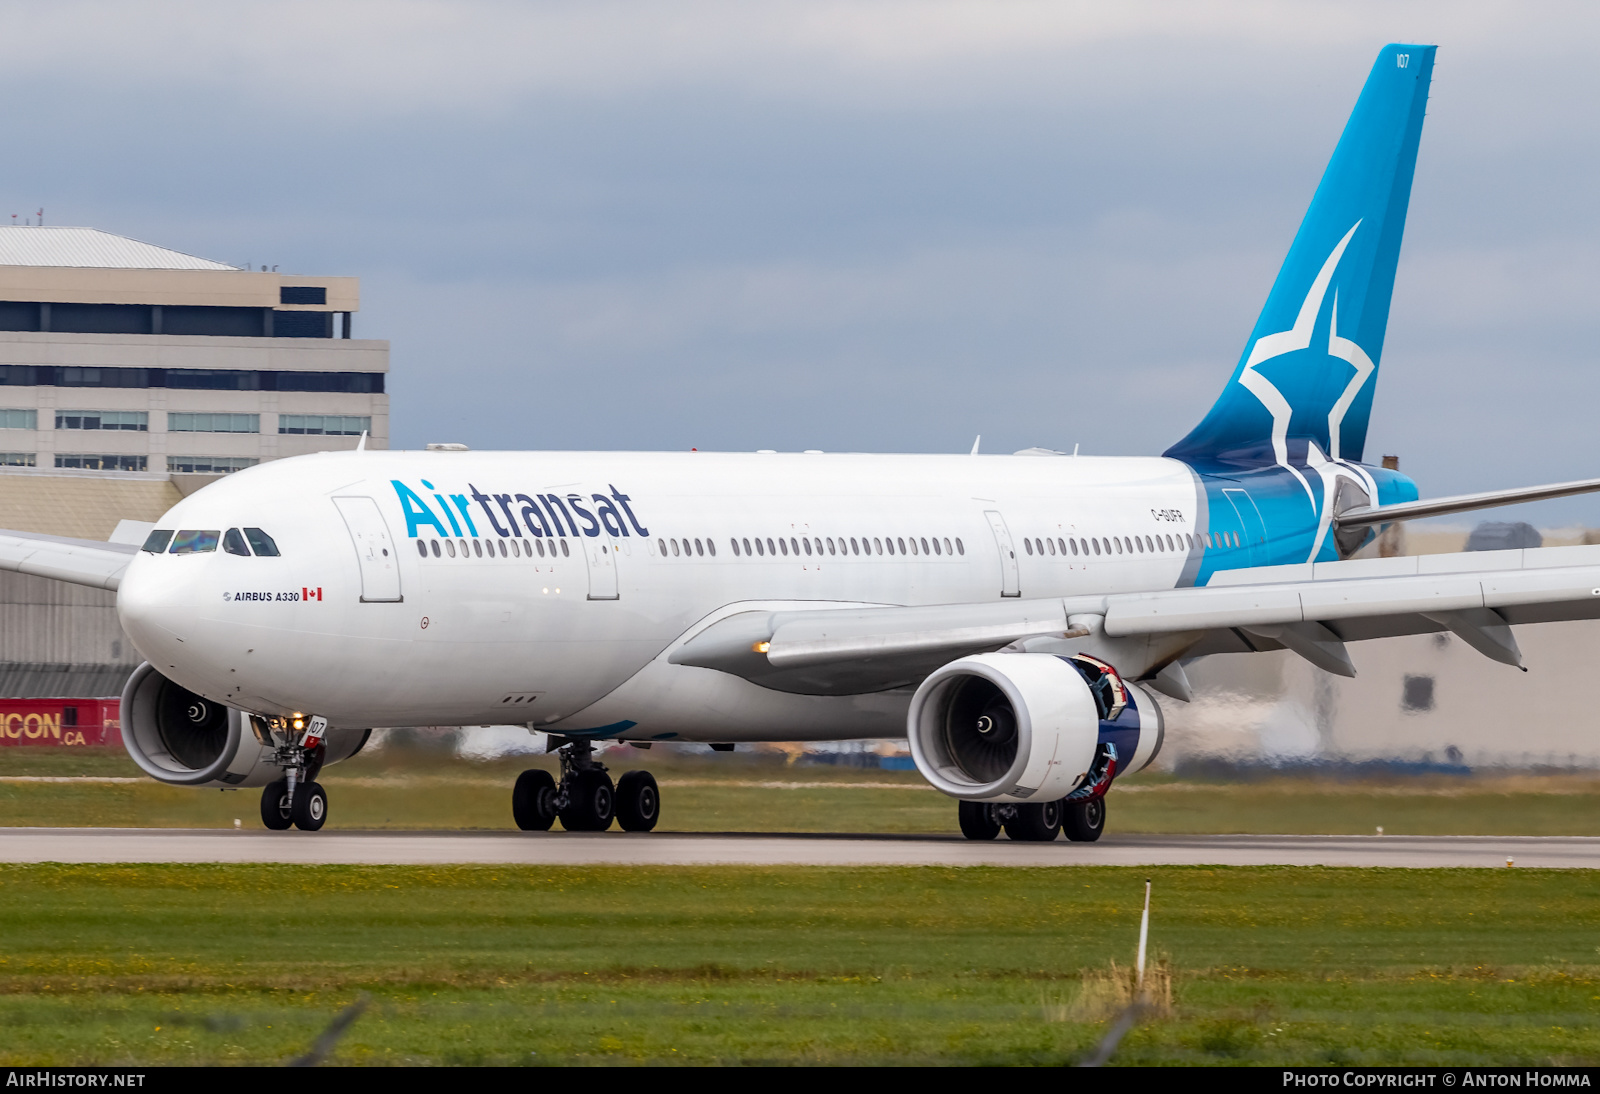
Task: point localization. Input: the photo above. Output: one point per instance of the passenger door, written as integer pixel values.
(601, 555)
(1010, 584)
(1255, 529)
(375, 550)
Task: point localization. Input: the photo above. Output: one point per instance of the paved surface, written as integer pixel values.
(614, 848)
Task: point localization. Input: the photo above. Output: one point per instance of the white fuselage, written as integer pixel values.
(575, 640)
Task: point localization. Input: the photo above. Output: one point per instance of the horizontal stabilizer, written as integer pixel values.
(1461, 503)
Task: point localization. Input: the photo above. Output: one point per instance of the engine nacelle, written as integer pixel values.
(1018, 727)
(186, 739)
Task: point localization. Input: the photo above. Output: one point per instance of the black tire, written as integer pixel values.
(592, 803)
(638, 801)
(275, 805)
(1084, 821)
(533, 801)
(310, 807)
(977, 820)
(1036, 823)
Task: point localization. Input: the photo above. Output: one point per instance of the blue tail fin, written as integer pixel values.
(1308, 372)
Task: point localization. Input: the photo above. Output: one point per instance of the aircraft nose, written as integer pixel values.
(156, 608)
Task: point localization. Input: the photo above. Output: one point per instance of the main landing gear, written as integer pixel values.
(297, 799)
(1081, 814)
(1082, 821)
(585, 800)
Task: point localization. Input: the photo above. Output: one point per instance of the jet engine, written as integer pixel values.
(185, 739)
(1018, 727)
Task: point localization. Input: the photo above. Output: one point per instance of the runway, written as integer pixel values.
(126, 845)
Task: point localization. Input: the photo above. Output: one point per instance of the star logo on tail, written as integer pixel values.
(1296, 338)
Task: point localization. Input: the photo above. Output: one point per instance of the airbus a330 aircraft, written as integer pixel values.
(1014, 616)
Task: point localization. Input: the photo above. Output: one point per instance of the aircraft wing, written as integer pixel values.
(1312, 609)
(80, 561)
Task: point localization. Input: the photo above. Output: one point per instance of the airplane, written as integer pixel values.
(1015, 617)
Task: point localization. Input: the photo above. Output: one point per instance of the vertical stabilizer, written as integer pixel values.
(1308, 372)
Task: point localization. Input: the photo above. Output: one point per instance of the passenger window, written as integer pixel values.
(450, 547)
(747, 546)
(422, 548)
(947, 545)
(784, 546)
(191, 542)
(233, 543)
(853, 548)
(435, 544)
(261, 543)
(565, 551)
(961, 548)
(711, 547)
(807, 542)
(901, 544)
(157, 541)
(674, 548)
(795, 545)
(877, 545)
(698, 549)
(1074, 544)
(936, 546)
(924, 546)
(477, 548)
(464, 548)
(760, 550)
(1028, 543)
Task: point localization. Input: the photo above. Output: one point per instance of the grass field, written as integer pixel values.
(197, 964)
(400, 788)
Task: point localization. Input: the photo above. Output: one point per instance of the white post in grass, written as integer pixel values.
(1144, 937)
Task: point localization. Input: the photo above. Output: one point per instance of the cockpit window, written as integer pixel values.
(261, 542)
(233, 543)
(157, 541)
(191, 542)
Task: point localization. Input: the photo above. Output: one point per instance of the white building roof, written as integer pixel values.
(34, 245)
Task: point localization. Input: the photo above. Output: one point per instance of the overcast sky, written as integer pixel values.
(850, 226)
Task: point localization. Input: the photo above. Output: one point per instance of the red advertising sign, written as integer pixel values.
(60, 723)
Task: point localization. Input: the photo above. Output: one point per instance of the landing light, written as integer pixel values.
(761, 647)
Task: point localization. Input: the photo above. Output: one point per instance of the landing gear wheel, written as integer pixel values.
(533, 801)
(1035, 823)
(593, 802)
(1085, 820)
(310, 807)
(638, 801)
(977, 820)
(275, 805)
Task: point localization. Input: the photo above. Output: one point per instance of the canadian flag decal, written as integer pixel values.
(310, 594)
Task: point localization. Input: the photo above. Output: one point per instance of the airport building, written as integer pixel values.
(130, 376)
(116, 355)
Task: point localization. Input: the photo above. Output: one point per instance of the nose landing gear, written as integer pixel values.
(585, 800)
(297, 799)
